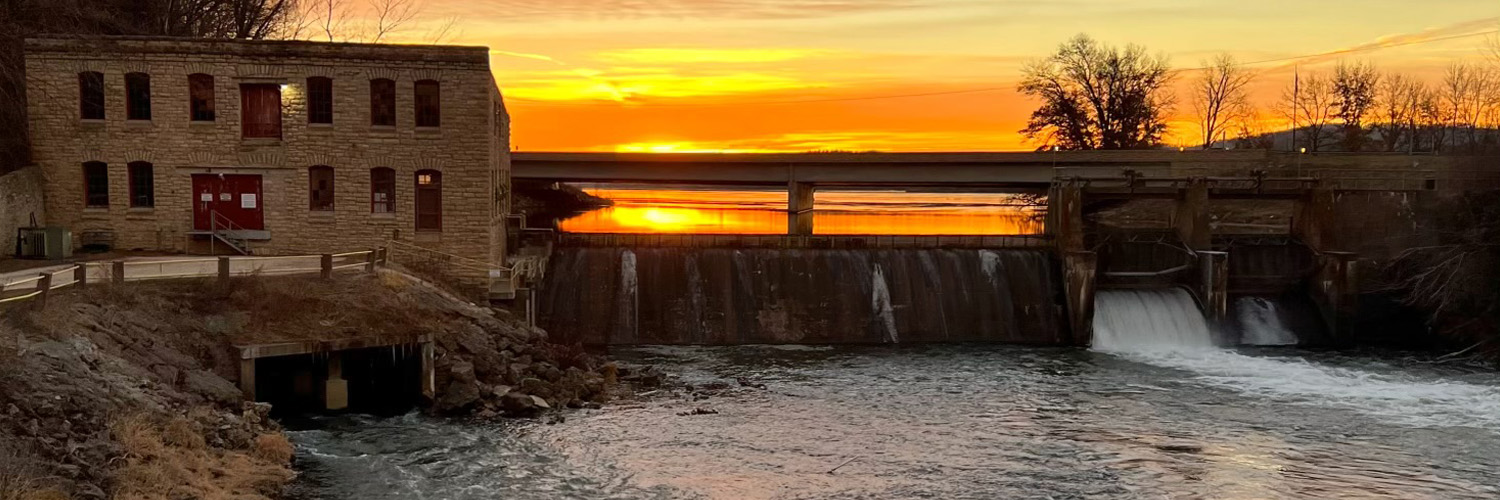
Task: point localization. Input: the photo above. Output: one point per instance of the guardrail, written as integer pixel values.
(119, 271)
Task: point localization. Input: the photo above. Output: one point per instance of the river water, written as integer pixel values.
(1153, 412)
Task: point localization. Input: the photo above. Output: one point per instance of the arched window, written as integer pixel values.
(95, 184)
(137, 96)
(382, 102)
(319, 99)
(429, 200)
(91, 95)
(320, 188)
(142, 184)
(201, 97)
(429, 103)
(382, 190)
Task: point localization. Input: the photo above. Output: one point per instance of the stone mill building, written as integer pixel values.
(270, 147)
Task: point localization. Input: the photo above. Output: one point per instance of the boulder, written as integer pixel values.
(516, 403)
(458, 396)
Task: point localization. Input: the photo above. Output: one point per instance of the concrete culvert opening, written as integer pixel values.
(337, 377)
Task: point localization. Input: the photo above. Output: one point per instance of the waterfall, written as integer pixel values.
(880, 302)
(1164, 320)
(1261, 323)
(1165, 328)
(626, 296)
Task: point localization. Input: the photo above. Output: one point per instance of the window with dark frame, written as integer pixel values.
(260, 111)
(429, 103)
(137, 96)
(95, 184)
(382, 102)
(319, 99)
(201, 97)
(91, 95)
(142, 185)
(429, 200)
(320, 188)
(382, 190)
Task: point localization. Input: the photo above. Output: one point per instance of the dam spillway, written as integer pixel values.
(716, 296)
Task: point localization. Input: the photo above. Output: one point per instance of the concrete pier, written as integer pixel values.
(799, 208)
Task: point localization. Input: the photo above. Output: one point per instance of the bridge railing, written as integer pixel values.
(784, 241)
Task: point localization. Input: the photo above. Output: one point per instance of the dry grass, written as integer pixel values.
(264, 309)
(22, 476)
(273, 448)
(168, 461)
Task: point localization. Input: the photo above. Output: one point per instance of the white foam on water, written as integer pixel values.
(880, 301)
(1261, 323)
(1165, 328)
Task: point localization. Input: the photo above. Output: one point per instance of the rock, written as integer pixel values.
(487, 414)
(167, 373)
(540, 403)
(458, 396)
(517, 403)
(211, 387)
(745, 382)
(462, 370)
(1180, 447)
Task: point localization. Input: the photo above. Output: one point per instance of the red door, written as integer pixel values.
(236, 198)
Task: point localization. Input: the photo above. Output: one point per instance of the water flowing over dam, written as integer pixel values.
(1164, 328)
(622, 296)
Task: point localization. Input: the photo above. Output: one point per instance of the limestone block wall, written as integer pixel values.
(20, 197)
(469, 148)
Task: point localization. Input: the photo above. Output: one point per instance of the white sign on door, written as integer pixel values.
(247, 200)
(226, 196)
(206, 197)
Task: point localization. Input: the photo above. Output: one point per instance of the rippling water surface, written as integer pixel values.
(961, 422)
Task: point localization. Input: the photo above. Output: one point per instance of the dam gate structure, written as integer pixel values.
(808, 288)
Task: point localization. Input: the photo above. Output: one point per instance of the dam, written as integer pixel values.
(809, 287)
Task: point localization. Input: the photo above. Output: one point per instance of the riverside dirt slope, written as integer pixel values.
(129, 391)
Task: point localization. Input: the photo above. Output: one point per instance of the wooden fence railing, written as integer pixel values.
(119, 271)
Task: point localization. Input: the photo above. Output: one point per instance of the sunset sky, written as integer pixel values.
(797, 75)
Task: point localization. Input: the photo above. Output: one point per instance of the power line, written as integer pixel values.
(1355, 50)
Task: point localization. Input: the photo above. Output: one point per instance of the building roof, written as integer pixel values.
(139, 45)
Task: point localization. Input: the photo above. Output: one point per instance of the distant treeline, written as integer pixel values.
(1095, 96)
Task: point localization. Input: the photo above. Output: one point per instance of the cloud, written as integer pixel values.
(699, 56)
(605, 10)
(628, 84)
(1475, 27)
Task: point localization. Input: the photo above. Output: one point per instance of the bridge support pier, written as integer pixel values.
(1336, 291)
(1065, 216)
(1214, 287)
(1191, 217)
(1080, 273)
(335, 388)
(799, 208)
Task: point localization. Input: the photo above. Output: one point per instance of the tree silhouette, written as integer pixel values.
(1098, 97)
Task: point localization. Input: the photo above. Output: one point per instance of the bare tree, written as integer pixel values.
(1220, 98)
(1398, 106)
(1354, 88)
(1311, 103)
(1467, 94)
(390, 16)
(1098, 97)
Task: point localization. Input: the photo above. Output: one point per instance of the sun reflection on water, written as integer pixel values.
(709, 211)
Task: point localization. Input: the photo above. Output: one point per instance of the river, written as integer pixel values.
(960, 421)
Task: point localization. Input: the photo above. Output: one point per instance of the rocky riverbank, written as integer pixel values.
(129, 391)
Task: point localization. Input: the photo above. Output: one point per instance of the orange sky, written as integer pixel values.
(622, 75)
